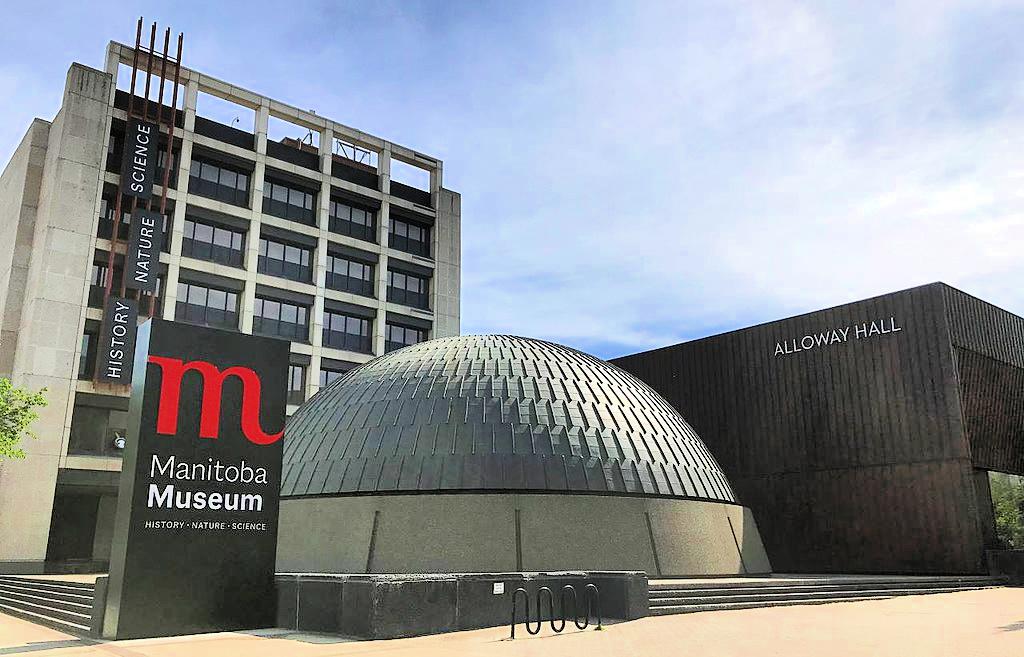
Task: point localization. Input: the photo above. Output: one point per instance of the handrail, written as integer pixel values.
(593, 606)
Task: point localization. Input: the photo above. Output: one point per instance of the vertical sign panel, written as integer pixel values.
(195, 539)
(138, 167)
(141, 261)
(117, 341)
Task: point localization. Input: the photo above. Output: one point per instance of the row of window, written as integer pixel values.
(286, 200)
(408, 289)
(213, 243)
(346, 274)
(218, 181)
(226, 246)
(209, 306)
(349, 275)
(285, 261)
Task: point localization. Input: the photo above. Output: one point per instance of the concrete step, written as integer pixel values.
(80, 598)
(809, 588)
(688, 596)
(79, 606)
(756, 595)
(692, 609)
(51, 584)
(46, 609)
(65, 606)
(75, 629)
(761, 582)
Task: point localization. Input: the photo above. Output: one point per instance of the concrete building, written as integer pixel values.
(306, 237)
(861, 436)
(504, 454)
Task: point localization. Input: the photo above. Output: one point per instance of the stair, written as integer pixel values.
(62, 605)
(688, 596)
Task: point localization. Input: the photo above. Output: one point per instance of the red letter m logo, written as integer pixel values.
(213, 382)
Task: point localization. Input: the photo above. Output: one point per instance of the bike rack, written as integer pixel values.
(568, 592)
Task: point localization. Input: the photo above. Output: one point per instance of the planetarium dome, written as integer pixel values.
(489, 452)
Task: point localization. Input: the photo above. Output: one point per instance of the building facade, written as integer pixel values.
(861, 436)
(305, 238)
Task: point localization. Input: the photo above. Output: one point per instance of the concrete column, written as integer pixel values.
(436, 176)
(320, 262)
(447, 244)
(252, 246)
(383, 227)
(178, 221)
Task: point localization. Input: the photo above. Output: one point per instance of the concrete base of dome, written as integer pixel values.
(500, 532)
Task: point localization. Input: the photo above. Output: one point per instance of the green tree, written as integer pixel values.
(1008, 505)
(17, 412)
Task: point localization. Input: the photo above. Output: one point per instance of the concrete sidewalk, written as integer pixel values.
(977, 623)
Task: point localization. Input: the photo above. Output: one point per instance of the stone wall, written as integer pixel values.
(427, 533)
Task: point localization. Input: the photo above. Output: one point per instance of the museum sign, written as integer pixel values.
(195, 539)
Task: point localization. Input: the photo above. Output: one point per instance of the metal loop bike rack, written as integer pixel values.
(592, 596)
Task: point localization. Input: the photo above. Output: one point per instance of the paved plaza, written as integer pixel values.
(970, 623)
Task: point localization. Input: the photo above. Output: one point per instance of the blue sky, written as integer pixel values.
(637, 174)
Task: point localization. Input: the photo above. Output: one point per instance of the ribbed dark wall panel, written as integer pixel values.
(852, 455)
(989, 345)
(979, 326)
(993, 402)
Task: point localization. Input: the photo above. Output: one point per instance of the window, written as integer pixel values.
(156, 297)
(106, 223)
(343, 331)
(289, 202)
(219, 181)
(349, 275)
(397, 337)
(296, 384)
(98, 276)
(409, 237)
(353, 221)
(329, 376)
(408, 289)
(280, 319)
(213, 243)
(115, 146)
(98, 283)
(208, 306)
(284, 260)
(87, 359)
(161, 160)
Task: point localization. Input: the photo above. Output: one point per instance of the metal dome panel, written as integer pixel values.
(494, 413)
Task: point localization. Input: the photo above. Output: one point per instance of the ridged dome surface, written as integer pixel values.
(494, 413)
